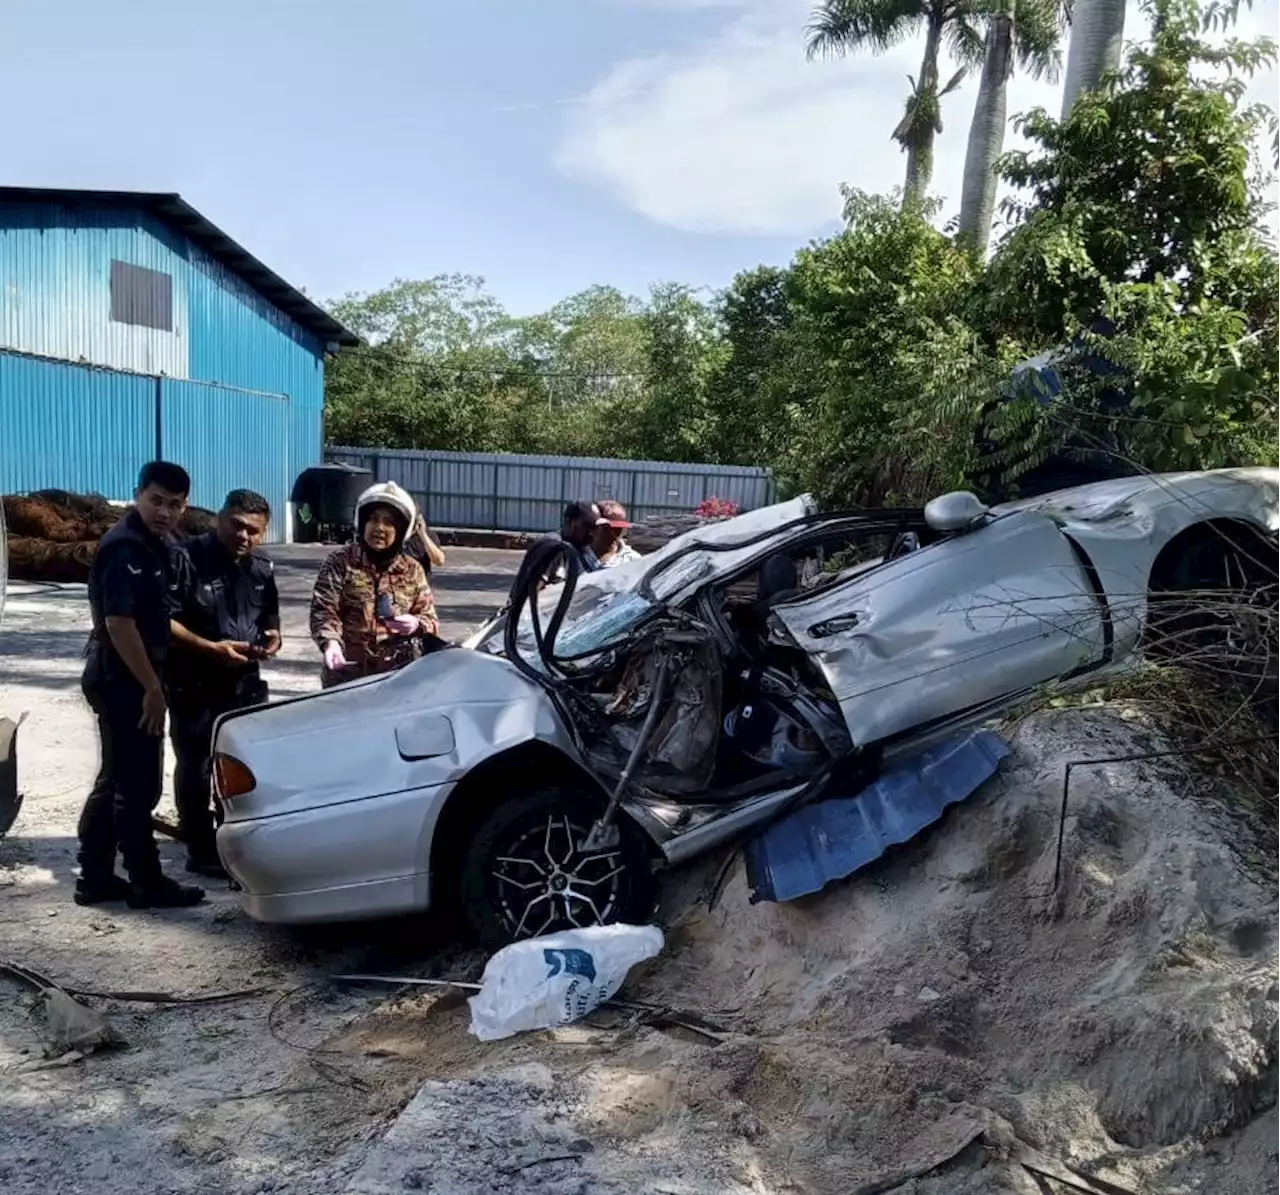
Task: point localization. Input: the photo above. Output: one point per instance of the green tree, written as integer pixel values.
(447, 313)
(757, 397)
(683, 351)
(1138, 232)
(438, 351)
(590, 345)
(840, 27)
(878, 340)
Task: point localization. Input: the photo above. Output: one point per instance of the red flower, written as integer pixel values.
(711, 509)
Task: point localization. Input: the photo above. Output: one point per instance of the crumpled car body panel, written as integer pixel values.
(952, 627)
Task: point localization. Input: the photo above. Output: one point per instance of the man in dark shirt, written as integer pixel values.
(125, 661)
(577, 526)
(226, 618)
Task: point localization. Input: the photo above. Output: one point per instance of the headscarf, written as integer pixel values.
(384, 556)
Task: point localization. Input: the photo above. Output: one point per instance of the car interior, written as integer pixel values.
(705, 704)
(741, 710)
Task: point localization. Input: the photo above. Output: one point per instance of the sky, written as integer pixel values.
(546, 145)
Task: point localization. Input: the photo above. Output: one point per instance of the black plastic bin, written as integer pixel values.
(324, 500)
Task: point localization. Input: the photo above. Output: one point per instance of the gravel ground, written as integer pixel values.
(207, 1097)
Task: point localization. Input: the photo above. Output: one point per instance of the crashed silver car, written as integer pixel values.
(626, 720)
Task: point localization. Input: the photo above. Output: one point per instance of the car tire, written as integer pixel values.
(1215, 611)
(504, 898)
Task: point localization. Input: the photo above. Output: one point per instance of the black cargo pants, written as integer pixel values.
(192, 714)
(117, 814)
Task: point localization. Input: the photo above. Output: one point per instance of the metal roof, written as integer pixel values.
(180, 215)
(837, 836)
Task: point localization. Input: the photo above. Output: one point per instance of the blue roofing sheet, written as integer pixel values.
(832, 839)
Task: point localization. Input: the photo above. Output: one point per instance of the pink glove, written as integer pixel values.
(333, 657)
(403, 624)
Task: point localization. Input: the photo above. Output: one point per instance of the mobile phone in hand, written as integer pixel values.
(386, 609)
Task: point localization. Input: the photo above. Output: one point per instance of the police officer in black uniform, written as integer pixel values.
(226, 618)
(125, 662)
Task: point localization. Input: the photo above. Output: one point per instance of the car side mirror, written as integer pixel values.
(951, 513)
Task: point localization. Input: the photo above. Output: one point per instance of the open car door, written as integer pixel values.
(951, 631)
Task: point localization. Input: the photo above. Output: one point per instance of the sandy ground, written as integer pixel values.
(944, 1023)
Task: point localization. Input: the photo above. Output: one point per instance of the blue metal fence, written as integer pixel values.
(527, 493)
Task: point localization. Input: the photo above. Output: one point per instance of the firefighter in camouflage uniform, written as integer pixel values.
(372, 610)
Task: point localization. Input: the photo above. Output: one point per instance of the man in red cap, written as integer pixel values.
(608, 541)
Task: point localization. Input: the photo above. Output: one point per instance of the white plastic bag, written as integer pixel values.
(544, 982)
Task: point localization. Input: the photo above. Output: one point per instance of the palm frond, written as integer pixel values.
(965, 38)
(839, 27)
(953, 82)
(1038, 33)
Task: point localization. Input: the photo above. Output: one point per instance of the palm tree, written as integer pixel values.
(1029, 33)
(1097, 39)
(839, 27)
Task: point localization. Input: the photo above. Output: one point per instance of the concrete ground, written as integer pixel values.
(195, 1103)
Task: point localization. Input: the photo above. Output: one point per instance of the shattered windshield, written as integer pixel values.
(607, 604)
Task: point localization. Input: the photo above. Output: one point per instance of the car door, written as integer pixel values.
(953, 628)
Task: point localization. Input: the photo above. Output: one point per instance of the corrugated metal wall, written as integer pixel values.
(89, 430)
(73, 427)
(55, 301)
(240, 339)
(228, 439)
(55, 286)
(528, 493)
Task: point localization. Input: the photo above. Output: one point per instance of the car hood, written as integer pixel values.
(427, 724)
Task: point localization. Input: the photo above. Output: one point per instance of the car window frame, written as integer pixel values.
(837, 526)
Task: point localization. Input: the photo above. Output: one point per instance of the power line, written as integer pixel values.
(515, 366)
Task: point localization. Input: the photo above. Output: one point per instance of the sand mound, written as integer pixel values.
(1125, 1025)
(1135, 1007)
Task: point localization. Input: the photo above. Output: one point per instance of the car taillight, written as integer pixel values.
(231, 778)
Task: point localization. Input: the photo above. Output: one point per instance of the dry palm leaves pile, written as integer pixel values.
(53, 534)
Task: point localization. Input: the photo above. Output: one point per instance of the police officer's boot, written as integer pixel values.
(164, 893)
(100, 890)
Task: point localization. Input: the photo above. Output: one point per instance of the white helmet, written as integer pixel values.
(387, 493)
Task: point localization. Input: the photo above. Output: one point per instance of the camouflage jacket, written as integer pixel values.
(344, 608)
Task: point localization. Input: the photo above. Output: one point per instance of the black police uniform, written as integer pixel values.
(217, 598)
(129, 579)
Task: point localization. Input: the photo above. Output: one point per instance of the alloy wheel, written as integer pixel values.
(544, 884)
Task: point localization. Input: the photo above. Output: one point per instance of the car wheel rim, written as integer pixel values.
(543, 883)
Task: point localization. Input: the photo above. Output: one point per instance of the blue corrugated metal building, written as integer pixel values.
(131, 328)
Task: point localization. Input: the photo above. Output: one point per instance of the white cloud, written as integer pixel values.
(742, 135)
